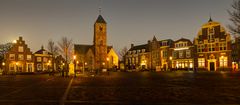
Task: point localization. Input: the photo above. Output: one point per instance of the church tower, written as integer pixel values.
(100, 43)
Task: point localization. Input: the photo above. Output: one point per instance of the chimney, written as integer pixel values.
(132, 45)
(20, 38)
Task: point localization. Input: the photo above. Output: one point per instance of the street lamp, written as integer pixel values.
(74, 62)
(48, 67)
(107, 63)
(17, 66)
(222, 61)
(3, 64)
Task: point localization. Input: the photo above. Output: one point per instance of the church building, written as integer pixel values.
(99, 55)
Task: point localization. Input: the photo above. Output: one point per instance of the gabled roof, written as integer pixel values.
(100, 19)
(183, 39)
(41, 51)
(109, 48)
(140, 47)
(81, 49)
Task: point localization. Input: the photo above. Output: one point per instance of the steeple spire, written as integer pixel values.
(100, 10)
(210, 19)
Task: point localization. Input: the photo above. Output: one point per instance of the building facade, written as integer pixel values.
(19, 58)
(213, 45)
(236, 53)
(137, 58)
(183, 53)
(165, 54)
(42, 60)
(99, 55)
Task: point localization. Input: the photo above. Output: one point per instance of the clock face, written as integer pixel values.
(100, 28)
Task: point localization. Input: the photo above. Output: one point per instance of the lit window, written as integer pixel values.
(12, 56)
(180, 54)
(188, 53)
(39, 59)
(223, 61)
(20, 49)
(29, 57)
(201, 62)
(20, 57)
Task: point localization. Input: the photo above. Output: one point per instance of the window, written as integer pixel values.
(164, 43)
(180, 54)
(165, 54)
(39, 66)
(20, 49)
(201, 48)
(222, 46)
(211, 47)
(175, 54)
(223, 61)
(29, 57)
(11, 67)
(39, 59)
(188, 53)
(45, 59)
(20, 57)
(201, 62)
(12, 56)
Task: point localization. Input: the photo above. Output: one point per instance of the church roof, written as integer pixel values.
(109, 48)
(100, 19)
(81, 49)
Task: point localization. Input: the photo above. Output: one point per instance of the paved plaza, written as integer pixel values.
(135, 88)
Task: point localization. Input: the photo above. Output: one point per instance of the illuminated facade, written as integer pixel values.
(165, 54)
(99, 55)
(137, 57)
(19, 58)
(213, 46)
(183, 55)
(43, 60)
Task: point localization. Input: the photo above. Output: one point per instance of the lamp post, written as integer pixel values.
(74, 62)
(85, 64)
(63, 69)
(107, 63)
(3, 65)
(170, 58)
(17, 66)
(48, 67)
(222, 61)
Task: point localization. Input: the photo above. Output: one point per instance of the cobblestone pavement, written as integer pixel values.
(143, 88)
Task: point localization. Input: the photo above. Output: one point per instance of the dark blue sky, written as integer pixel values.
(129, 21)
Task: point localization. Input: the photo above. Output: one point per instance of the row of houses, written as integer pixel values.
(210, 50)
(20, 59)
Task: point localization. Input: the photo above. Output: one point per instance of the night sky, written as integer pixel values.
(129, 21)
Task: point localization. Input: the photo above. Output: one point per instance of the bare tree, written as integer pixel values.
(65, 46)
(4, 48)
(53, 49)
(123, 52)
(235, 17)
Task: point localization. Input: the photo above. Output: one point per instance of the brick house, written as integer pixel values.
(19, 58)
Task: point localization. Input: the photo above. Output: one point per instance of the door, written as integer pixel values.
(212, 66)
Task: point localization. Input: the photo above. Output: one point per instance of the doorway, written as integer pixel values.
(212, 66)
